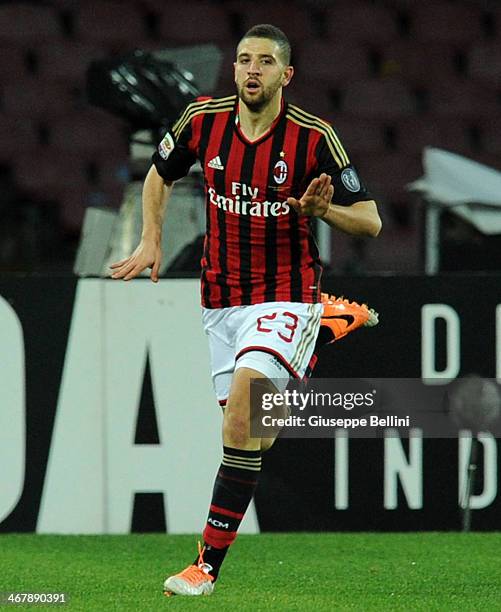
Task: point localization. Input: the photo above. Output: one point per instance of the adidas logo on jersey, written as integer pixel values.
(215, 163)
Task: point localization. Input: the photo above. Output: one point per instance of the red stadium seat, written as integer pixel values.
(13, 63)
(226, 81)
(113, 172)
(44, 173)
(402, 4)
(185, 23)
(331, 62)
(360, 22)
(313, 96)
(445, 23)
(110, 22)
(68, 61)
(294, 20)
(73, 203)
(388, 174)
(461, 98)
(25, 23)
(491, 136)
(65, 5)
(63, 176)
(16, 136)
(484, 63)
(382, 98)
(404, 58)
(89, 131)
(398, 251)
(32, 97)
(416, 133)
(493, 160)
(75, 199)
(360, 136)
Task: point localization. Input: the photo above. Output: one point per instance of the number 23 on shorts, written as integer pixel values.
(289, 325)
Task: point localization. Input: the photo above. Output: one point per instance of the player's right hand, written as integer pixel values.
(146, 255)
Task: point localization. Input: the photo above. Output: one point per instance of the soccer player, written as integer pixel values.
(269, 167)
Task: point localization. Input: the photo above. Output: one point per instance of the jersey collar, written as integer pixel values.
(267, 134)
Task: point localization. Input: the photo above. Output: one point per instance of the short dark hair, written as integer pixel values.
(266, 30)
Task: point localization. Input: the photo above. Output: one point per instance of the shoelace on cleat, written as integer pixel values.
(194, 575)
(200, 553)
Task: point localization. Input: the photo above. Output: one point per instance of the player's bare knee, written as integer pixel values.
(236, 429)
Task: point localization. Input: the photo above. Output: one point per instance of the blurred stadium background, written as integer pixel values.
(90, 417)
(392, 75)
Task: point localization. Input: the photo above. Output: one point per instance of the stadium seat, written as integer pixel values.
(398, 252)
(361, 136)
(113, 170)
(63, 176)
(68, 61)
(32, 97)
(43, 173)
(179, 18)
(313, 96)
(16, 136)
(388, 174)
(484, 63)
(331, 61)
(404, 58)
(383, 98)
(292, 18)
(73, 203)
(445, 22)
(462, 98)
(416, 133)
(65, 5)
(400, 4)
(112, 23)
(75, 199)
(226, 81)
(91, 130)
(491, 135)
(493, 160)
(360, 22)
(13, 64)
(25, 23)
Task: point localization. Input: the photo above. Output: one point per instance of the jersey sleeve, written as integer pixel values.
(334, 161)
(176, 152)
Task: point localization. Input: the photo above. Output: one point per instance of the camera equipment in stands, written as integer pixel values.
(147, 91)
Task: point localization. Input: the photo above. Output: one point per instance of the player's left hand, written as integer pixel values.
(316, 199)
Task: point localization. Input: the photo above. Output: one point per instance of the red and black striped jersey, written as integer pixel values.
(257, 248)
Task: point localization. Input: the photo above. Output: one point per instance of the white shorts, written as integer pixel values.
(275, 338)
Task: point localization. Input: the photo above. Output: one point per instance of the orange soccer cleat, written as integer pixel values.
(194, 580)
(340, 317)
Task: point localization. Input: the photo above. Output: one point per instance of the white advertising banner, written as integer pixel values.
(94, 467)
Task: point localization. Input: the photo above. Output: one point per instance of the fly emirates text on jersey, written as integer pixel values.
(249, 206)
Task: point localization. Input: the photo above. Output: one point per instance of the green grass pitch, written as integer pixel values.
(362, 571)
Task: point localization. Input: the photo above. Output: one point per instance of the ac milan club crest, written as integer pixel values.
(280, 172)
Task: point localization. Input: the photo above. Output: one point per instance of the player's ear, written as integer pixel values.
(288, 74)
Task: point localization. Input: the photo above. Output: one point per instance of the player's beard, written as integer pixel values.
(257, 102)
